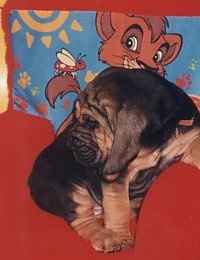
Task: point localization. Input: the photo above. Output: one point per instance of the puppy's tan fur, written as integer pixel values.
(118, 209)
(129, 126)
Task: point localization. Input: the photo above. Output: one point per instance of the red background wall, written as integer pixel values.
(169, 223)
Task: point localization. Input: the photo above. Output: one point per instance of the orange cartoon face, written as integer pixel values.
(133, 41)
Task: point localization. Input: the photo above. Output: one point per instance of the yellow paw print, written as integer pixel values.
(35, 91)
(193, 64)
(24, 80)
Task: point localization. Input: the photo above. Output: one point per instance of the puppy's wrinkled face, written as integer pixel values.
(123, 111)
(106, 131)
(92, 133)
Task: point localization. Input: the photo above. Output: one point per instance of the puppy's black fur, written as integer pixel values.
(55, 175)
(56, 172)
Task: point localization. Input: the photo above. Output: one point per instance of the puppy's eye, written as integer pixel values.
(93, 124)
(85, 118)
(89, 123)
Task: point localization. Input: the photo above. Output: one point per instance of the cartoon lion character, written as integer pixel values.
(136, 41)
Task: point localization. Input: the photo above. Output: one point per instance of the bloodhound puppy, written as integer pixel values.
(129, 126)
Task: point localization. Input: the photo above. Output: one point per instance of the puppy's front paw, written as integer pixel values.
(108, 241)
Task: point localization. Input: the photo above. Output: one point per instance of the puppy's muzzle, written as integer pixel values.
(85, 148)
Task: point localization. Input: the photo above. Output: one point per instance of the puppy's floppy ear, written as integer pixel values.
(126, 142)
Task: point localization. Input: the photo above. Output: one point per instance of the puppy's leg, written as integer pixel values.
(117, 212)
(116, 204)
(87, 226)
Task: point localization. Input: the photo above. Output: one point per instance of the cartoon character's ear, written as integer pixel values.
(104, 25)
(175, 43)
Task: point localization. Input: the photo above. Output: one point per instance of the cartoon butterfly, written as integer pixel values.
(67, 64)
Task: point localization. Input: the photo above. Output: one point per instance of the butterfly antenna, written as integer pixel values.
(79, 57)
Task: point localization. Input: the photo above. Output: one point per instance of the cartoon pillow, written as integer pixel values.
(56, 53)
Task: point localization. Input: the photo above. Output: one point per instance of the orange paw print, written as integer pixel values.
(24, 80)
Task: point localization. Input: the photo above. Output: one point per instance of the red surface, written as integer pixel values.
(169, 224)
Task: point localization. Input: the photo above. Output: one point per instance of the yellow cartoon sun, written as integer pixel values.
(44, 22)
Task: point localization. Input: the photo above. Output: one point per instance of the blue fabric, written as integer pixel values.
(34, 55)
